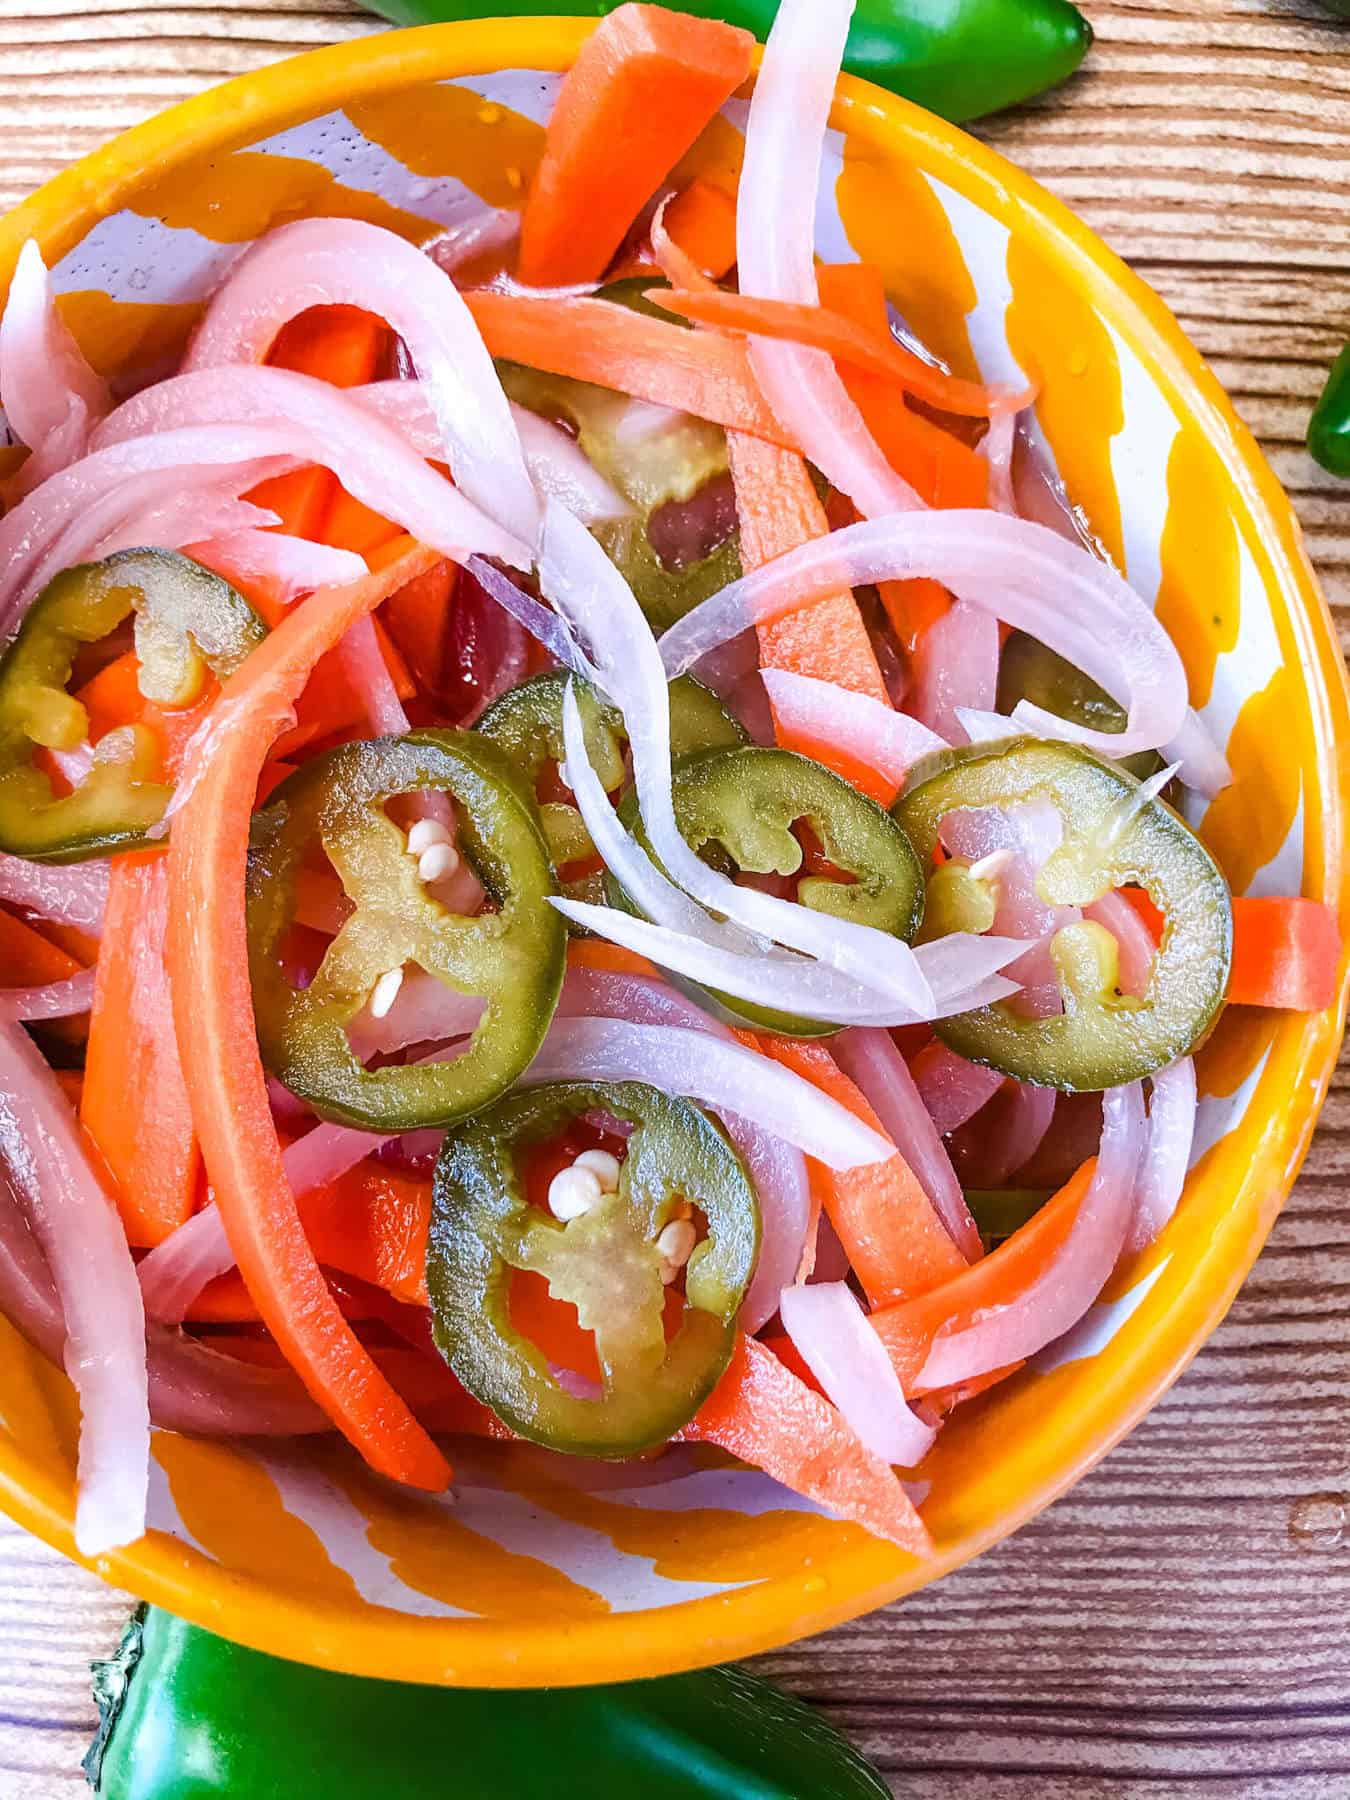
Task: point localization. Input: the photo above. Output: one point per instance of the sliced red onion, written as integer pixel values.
(346, 262)
(678, 267)
(851, 724)
(54, 1000)
(1167, 1151)
(775, 235)
(544, 627)
(982, 727)
(365, 668)
(1137, 948)
(952, 1090)
(52, 397)
(1062, 1293)
(962, 960)
(715, 1072)
(492, 229)
(843, 1352)
(291, 565)
(84, 502)
(425, 1008)
(1025, 574)
(559, 467)
(179, 1267)
(71, 893)
(1203, 766)
(777, 1168)
(87, 1251)
(192, 1389)
(321, 424)
(871, 1061)
(598, 604)
(955, 666)
(1021, 838)
(1025, 1114)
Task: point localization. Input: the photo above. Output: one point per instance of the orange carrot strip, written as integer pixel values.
(595, 953)
(696, 372)
(1286, 953)
(875, 353)
(642, 89)
(908, 1330)
(894, 1239)
(779, 510)
(28, 959)
(135, 1104)
(702, 221)
(213, 1012)
(373, 1223)
(763, 1414)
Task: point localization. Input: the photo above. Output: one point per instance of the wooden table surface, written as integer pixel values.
(1182, 1619)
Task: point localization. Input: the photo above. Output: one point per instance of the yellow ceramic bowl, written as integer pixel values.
(538, 1574)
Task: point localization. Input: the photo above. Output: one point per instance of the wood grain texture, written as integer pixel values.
(1179, 1623)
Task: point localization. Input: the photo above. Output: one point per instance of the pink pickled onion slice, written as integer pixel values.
(1062, 1293)
(777, 1168)
(598, 604)
(854, 725)
(424, 1008)
(346, 262)
(1023, 573)
(179, 1267)
(364, 665)
(317, 423)
(1171, 1132)
(54, 1000)
(79, 505)
(955, 666)
(1006, 1134)
(82, 1238)
(1137, 948)
(71, 893)
(835, 1341)
(558, 466)
(714, 1072)
(775, 236)
(544, 627)
(871, 1061)
(998, 450)
(192, 1389)
(1204, 766)
(952, 1089)
(52, 398)
(491, 229)
(292, 565)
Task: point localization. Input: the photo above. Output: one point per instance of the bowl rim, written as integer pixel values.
(617, 1646)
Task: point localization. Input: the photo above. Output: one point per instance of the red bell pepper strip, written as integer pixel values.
(213, 1013)
(1286, 953)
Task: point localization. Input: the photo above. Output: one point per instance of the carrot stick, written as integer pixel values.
(213, 1014)
(699, 372)
(135, 1104)
(644, 86)
(702, 221)
(1286, 953)
(873, 352)
(764, 1415)
(373, 1223)
(908, 1330)
(894, 1239)
(779, 509)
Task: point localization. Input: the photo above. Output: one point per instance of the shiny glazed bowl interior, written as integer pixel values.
(544, 1572)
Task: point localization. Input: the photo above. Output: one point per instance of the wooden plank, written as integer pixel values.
(1179, 1622)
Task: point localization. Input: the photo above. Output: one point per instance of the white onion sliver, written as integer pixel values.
(1203, 766)
(425, 1008)
(72, 893)
(955, 669)
(853, 724)
(775, 236)
(1062, 1293)
(87, 1251)
(831, 1332)
(1025, 574)
(871, 1061)
(348, 262)
(54, 1000)
(293, 565)
(52, 397)
(713, 1072)
(365, 668)
(544, 627)
(180, 1265)
(1171, 1132)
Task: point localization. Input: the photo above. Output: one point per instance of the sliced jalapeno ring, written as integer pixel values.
(738, 808)
(607, 1263)
(186, 621)
(1029, 670)
(526, 723)
(671, 464)
(512, 958)
(1114, 837)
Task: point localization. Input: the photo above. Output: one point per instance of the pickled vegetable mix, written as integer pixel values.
(579, 860)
